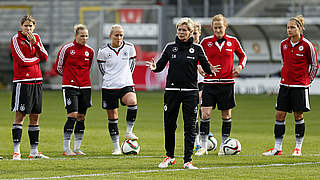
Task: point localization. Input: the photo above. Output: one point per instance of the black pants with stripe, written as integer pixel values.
(172, 101)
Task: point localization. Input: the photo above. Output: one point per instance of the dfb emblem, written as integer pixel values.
(104, 104)
(73, 52)
(175, 49)
(300, 48)
(22, 107)
(165, 108)
(69, 101)
(86, 53)
(210, 44)
(109, 55)
(285, 47)
(229, 43)
(191, 50)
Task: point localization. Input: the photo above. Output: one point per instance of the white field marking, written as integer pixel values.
(132, 157)
(170, 170)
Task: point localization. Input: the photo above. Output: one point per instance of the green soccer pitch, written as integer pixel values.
(252, 125)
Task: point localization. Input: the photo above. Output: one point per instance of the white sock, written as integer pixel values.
(16, 147)
(77, 141)
(115, 141)
(204, 141)
(34, 150)
(278, 144)
(130, 125)
(197, 141)
(66, 145)
(299, 141)
(223, 139)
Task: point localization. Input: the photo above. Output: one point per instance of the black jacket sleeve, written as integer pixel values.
(204, 61)
(162, 62)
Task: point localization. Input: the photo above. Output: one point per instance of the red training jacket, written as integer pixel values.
(222, 54)
(74, 63)
(26, 58)
(299, 63)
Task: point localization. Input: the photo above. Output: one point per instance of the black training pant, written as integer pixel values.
(172, 101)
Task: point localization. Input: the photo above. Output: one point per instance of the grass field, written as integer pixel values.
(253, 120)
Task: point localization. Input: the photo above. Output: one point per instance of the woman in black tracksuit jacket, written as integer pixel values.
(181, 87)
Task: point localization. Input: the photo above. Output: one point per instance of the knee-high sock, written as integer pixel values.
(114, 133)
(33, 132)
(299, 129)
(226, 129)
(16, 136)
(279, 131)
(78, 134)
(68, 129)
(131, 117)
(204, 131)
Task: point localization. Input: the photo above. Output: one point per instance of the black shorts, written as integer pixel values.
(221, 95)
(76, 100)
(110, 97)
(294, 99)
(200, 86)
(27, 98)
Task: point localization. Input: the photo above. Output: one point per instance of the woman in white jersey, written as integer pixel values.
(116, 63)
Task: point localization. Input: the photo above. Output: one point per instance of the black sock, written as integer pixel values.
(68, 128)
(16, 135)
(33, 132)
(204, 126)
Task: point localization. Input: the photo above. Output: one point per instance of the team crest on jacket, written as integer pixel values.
(210, 44)
(109, 55)
(191, 50)
(73, 52)
(285, 47)
(175, 49)
(69, 101)
(229, 43)
(300, 48)
(86, 53)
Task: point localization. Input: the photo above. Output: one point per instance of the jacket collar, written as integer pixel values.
(301, 39)
(77, 44)
(184, 44)
(22, 36)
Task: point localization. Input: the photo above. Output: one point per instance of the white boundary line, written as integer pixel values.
(170, 170)
(129, 157)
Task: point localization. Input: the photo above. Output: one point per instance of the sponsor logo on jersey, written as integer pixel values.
(86, 59)
(210, 44)
(300, 48)
(73, 52)
(299, 54)
(175, 49)
(229, 43)
(22, 107)
(191, 50)
(86, 53)
(189, 57)
(229, 50)
(285, 47)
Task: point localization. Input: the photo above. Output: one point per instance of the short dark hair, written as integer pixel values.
(28, 18)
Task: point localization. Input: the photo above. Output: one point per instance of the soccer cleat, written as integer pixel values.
(79, 152)
(116, 152)
(221, 152)
(166, 162)
(1, 157)
(197, 148)
(39, 155)
(272, 152)
(297, 152)
(68, 153)
(189, 165)
(202, 151)
(210, 134)
(131, 136)
(16, 156)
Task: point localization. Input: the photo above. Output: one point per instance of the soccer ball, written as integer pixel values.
(212, 143)
(130, 147)
(231, 147)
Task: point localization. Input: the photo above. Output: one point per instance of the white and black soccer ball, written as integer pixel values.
(130, 147)
(231, 146)
(212, 143)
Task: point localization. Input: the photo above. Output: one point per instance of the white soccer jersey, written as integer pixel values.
(117, 65)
